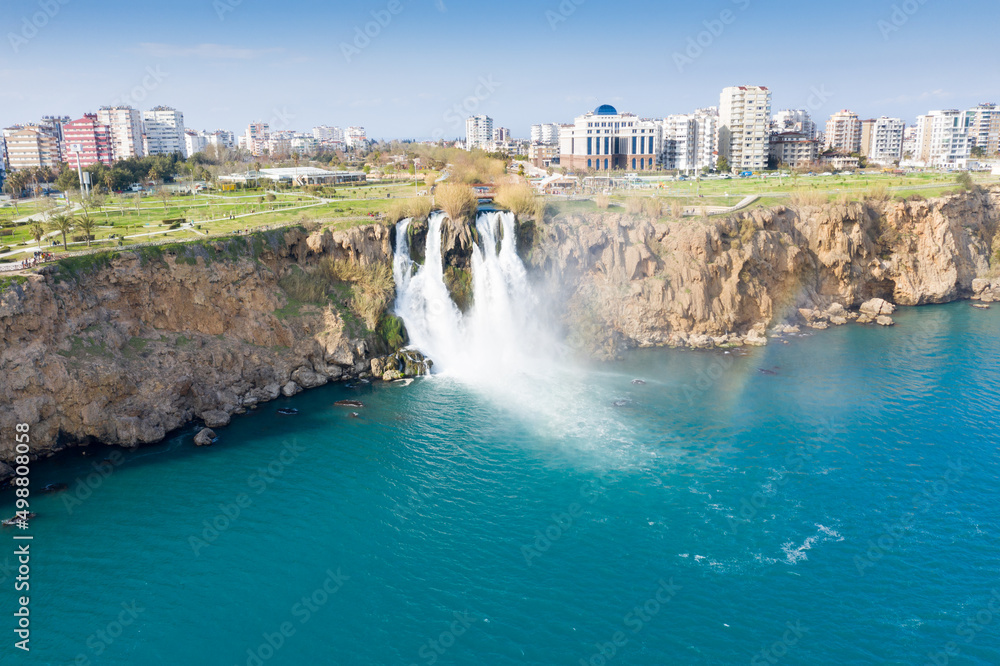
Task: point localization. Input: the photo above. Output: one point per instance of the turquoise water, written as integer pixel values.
(840, 508)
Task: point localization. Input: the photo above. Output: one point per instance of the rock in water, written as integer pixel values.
(205, 437)
(215, 418)
(876, 307)
(349, 403)
(883, 320)
(639, 382)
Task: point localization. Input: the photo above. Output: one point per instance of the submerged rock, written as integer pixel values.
(349, 403)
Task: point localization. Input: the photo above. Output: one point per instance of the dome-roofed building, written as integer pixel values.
(606, 140)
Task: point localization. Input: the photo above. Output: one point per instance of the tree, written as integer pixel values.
(63, 224)
(722, 165)
(86, 225)
(964, 180)
(37, 231)
(164, 196)
(68, 180)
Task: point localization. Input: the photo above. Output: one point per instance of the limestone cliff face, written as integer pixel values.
(130, 348)
(703, 282)
(125, 349)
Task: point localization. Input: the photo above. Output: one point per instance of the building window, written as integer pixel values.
(633, 164)
(590, 164)
(590, 146)
(605, 165)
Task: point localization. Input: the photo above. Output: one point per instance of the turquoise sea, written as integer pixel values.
(832, 500)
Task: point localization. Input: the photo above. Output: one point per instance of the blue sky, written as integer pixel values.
(225, 63)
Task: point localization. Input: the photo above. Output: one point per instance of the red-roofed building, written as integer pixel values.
(90, 138)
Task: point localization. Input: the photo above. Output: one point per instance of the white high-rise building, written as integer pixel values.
(680, 143)
(478, 132)
(326, 133)
(883, 140)
(221, 139)
(546, 133)
(501, 135)
(355, 136)
(984, 130)
(843, 132)
(910, 149)
(744, 127)
(794, 120)
(126, 130)
(194, 142)
(706, 152)
(164, 131)
(256, 138)
(943, 138)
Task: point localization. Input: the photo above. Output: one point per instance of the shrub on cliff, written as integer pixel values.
(603, 201)
(517, 197)
(372, 287)
(458, 202)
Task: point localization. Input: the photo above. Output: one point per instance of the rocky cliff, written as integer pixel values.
(629, 282)
(124, 347)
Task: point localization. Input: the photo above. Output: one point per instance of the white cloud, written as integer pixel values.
(440, 6)
(207, 51)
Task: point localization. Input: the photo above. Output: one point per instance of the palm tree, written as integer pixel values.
(37, 231)
(86, 225)
(63, 224)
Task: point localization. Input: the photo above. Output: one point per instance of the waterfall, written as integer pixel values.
(495, 335)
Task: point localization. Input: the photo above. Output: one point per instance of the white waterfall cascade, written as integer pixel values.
(499, 332)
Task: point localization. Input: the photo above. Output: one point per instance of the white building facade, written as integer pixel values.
(126, 130)
(885, 143)
(744, 127)
(164, 131)
(478, 132)
(606, 140)
(843, 132)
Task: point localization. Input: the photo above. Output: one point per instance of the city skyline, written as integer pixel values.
(224, 65)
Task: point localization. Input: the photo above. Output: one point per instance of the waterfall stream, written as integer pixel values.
(494, 335)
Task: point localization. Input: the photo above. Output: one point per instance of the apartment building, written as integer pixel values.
(744, 127)
(843, 132)
(605, 140)
(943, 138)
(882, 140)
(984, 127)
(545, 133)
(794, 120)
(793, 149)
(355, 136)
(32, 146)
(87, 142)
(256, 138)
(125, 124)
(690, 141)
(478, 132)
(164, 131)
(194, 142)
